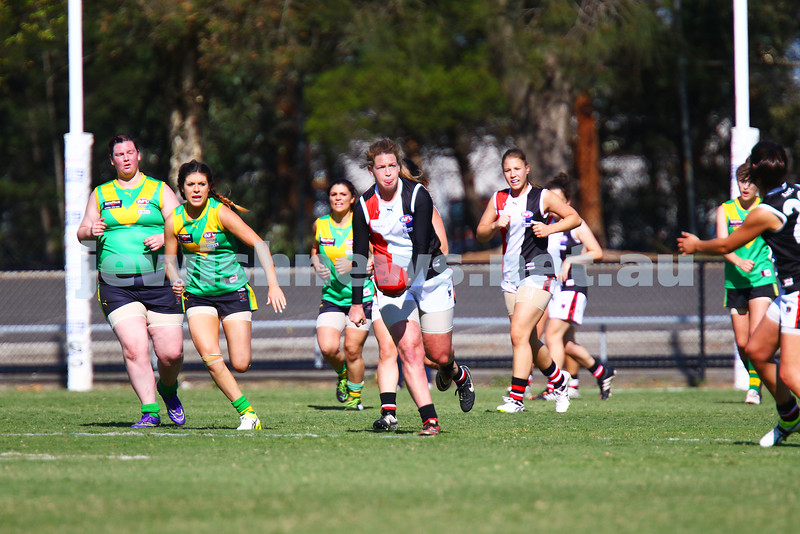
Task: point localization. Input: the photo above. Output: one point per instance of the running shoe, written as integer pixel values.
(466, 391)
(249, 421)
(604, 383)
(388, 421)
(174, 408)
(574, 393)
(752, 397)
(778, 434)
(511, 406)
(341, 389)
(352, 403)
(147, 421)
(546, 395)
(562, 394)
(431, 428)
(441, 383)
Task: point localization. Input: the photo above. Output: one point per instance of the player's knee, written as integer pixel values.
(211, 359)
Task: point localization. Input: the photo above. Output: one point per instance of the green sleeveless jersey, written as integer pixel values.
(334, 243)
(209, 251)
(131, 215)
(763, 272)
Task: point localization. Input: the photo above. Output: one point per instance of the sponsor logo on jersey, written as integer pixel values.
(209, 236)
(112, 204)
(735, 223)
(348, 242)
(527, 218)
(142, 201)
(185, 238)
(327, 242)
(143, 212)
(408, 223)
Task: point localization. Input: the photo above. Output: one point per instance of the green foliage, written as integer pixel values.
(426, 77)
(278, 84)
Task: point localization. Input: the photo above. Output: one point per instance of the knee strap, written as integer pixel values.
(211, 359)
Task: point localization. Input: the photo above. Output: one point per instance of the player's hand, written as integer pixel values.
(276, 297)
(503, 221)
(747, 265)
(357, 315)
(322, 271)
(688, 243)
(98, 227)
(178, 286)
(563, 276)
(343, 266)
(155, 241)
(541, 229)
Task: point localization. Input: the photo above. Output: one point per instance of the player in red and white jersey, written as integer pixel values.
(776, 220)
(574, 248)
(417, 296)
(519, 213)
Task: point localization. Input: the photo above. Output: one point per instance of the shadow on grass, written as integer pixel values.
(336, 408)
(755, 444)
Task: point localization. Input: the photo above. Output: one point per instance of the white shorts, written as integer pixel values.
(785, 311)
(568, 306)
(430, 304)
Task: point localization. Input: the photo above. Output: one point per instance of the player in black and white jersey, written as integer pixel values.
(776, 220)
(519, 213)
(574, 248)
(417, 298)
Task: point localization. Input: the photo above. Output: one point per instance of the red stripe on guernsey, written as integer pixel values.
(372, 210)
(797, 315)
(500, 199)
(572, 306)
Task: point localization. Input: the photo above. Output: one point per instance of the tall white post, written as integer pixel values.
(77, 179)
(743, 137)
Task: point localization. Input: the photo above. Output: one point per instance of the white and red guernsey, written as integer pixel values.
(524, 254)
(402, 236)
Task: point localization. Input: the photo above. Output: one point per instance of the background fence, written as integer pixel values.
(641, 313)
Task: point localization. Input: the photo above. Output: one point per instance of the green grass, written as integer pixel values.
(644, 461)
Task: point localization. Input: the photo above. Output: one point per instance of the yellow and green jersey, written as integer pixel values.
(209, 251)
(131, 215)
(763, 272)
(333, 243)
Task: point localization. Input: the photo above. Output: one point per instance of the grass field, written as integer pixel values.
(647, 460)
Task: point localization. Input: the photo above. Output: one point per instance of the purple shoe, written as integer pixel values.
(147, 421)
(175, 410)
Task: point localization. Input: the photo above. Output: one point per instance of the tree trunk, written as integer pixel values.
(540, 114)
(473, 204)
(184, 121)
(587, 159)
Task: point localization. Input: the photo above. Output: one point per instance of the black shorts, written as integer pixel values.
(243, 299)
(156, 296)
(326, 307)
(738, 298)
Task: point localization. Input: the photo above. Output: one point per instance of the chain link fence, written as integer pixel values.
(642, 312)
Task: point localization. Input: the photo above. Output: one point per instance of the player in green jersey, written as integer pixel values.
(216, 288)
(331, 256)
(126, 218)
(750, 284)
